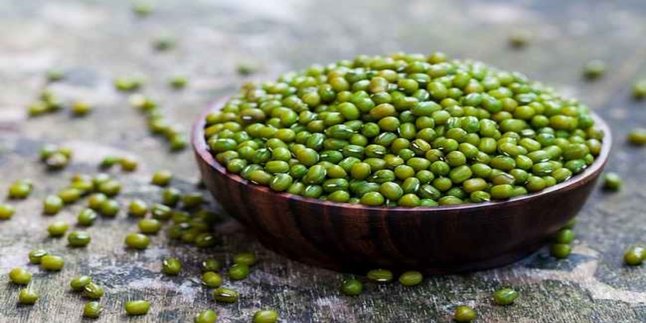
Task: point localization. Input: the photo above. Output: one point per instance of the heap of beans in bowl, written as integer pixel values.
(403, 130)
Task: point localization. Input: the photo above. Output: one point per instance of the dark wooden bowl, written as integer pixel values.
(354, 238)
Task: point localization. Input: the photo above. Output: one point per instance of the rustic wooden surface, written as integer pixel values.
(94, 41)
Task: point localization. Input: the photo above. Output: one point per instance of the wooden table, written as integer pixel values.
(96, 41)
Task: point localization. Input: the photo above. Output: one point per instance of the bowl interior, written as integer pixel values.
(202, 149)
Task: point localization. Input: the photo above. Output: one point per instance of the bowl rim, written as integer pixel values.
(202, 151)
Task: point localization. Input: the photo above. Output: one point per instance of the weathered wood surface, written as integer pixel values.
(97, 40)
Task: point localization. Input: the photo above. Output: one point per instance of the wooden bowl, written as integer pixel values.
(354, 238)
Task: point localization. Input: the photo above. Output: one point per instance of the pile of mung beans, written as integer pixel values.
(403, 130)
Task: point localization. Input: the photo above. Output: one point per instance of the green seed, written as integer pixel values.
(51, 262)
(245, 258)
(128, 164)
(178, 82)
(92, 310)
(564, 236)
(6, 211)
(69, 195)
(142, 8)
(95, 201)
(171, 266)
(639, 89)
(78, 239)
(142, 102)
(192, 200)
(520, 38)
(137, 241)
(501, 192)
(36, 255)
(46, 151)
(109, 161)
(93, 291)
(637, 137)
(149, 226)
(177, 143)
(265, 316)
(19, 276)
(206, 316)
(161, 212)
(380, 275)
(86, 217)
(246, 68)
(560, 250)
(372, 199)
(82, 183)
(37, 109)
(211, 265)
(238, 272)
(505, 296)
(138, 307)
(57, 229)
(225, 295)
(78, 283)
(164, 42)
(464, 313)
(171, 196)
(57, 161)
(612, 182)
(594, 69)
(352, 287)
(205, 240)
(211, 279)
(411, 278)
(27, 296)
(109, 208)
(138, 208)
(110, 188)
(52, 204)
(162, 178)
(80, 108)
(20, 189)
(54, 75)
(634, 256)
(128, 84)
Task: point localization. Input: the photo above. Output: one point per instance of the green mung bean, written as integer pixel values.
(380, 275)
(206, 316)
(171, 266)
(352, 287)
(635, 255)
(78, 283)
(410, 278)
(138, 307)
(137, 241)
(51, 262)
(6, 211)
(92, 309)
(27, 296)
(212, 279)
(464, 313)
(225, 295)
(52, 204)
(265, 316)
(19, 276)
(505, 296)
